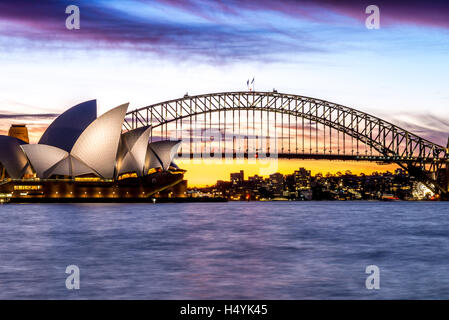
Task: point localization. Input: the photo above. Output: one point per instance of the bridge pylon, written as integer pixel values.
(446, 182)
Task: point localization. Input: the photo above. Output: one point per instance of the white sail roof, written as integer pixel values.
(164, 152)
(102, 150)
(133, 150)
(12, 157)
(69, 166)
(43, 157)
(97, 146)
(151, 161)
(65, 129)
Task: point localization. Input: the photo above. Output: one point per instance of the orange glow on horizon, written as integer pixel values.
(35, 130)
(206, 173)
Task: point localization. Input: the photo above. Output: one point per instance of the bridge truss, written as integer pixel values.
(290, 126)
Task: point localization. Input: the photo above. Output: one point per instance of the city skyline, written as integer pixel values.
(206, 175)
(301, 184)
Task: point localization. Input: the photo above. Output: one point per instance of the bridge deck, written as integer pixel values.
(305, 156)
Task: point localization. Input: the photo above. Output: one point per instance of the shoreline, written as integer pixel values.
(177, 200)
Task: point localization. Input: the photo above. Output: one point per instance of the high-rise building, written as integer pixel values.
(19, 131)
(302, 179)
(237, 178)
(277, 183)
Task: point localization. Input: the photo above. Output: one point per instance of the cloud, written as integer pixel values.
(427, 126)
(111, 27)
(217, 30)
(396, 12)
(36, 123)
(27, 116)
(393, 12)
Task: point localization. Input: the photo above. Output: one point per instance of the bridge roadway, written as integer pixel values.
(308, 156)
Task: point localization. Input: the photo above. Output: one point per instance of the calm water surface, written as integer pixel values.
(265, 250)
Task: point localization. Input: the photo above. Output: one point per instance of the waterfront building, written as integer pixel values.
(237, 178)
(276, 181)
(301, 185)
(82, 156)
(302, 179)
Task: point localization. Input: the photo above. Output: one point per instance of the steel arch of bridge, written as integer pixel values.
(422, 158)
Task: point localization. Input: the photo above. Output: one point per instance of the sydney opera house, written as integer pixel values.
(81, 156)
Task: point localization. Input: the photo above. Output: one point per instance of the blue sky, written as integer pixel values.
(148, 51)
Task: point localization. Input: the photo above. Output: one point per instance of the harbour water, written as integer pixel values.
(235, 250)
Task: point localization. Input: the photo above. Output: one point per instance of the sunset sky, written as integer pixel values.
(144, 52)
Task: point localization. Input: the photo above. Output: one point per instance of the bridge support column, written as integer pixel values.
(446, 182)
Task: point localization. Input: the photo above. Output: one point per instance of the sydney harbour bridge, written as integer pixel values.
(270, 124)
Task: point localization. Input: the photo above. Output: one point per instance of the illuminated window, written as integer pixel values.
(152, 170)
(87, 179)
(29, 187)
(127, 175)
